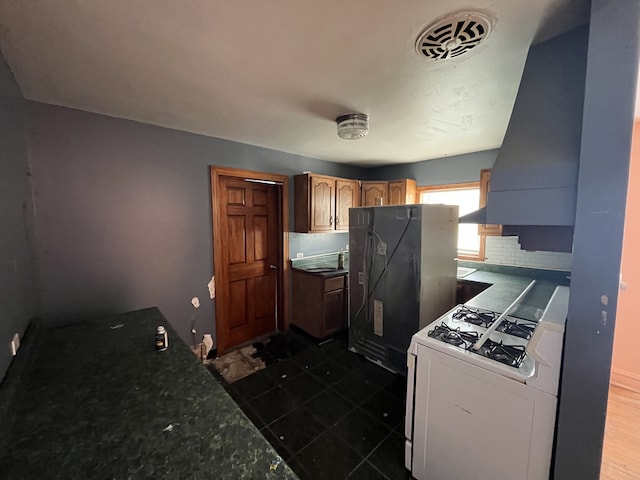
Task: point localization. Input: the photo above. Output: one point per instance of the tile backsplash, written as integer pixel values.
(498, 250)
(506, 251)
(316, 243)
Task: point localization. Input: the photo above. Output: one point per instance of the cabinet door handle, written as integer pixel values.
(330, 220)
(337, 220)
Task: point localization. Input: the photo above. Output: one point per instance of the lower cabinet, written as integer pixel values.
(319, 303)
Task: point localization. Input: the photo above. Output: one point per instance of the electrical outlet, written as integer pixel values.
(347, 247)
(360, 278)
(299, 255)
(15, 344)
(382, 248)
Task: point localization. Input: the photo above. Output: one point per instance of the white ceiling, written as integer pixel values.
(277, 73)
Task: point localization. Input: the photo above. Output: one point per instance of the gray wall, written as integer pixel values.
(124, 217)
(18, 288)
(454, 169)
(612, 64)
(124, 213)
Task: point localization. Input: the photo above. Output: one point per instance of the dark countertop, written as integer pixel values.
(324, 273)
(508, 282)
(325, 266)
(101, 402)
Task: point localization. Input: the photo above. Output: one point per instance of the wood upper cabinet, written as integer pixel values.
(485, 177)
(323, 195)
(347, 196)
(321, 203)
(372, 192)
(395, 192)
(402, 192)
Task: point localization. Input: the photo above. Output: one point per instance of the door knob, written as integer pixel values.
(273, 267)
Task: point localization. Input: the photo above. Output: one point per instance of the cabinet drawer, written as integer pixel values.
(335, 283)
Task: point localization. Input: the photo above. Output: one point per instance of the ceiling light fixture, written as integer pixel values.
(353, 126)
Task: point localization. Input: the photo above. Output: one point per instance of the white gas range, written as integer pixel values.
(483, 405)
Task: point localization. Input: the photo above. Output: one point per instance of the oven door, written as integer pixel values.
(469, 422)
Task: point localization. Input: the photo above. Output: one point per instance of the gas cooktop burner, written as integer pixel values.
(454, 337)
(475, 317)
(486, 318)
(516, 329)
(511, 355)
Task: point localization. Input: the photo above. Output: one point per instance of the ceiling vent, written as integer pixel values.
(353, 126)
(454, 35)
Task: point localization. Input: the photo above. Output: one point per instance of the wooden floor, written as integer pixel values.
(621, 452)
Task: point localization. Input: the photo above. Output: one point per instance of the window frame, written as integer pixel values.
(457, 186)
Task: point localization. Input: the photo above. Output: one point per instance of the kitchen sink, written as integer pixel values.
(321, 269)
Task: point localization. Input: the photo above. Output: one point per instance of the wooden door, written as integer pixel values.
(347, 196)
(249, 226)
(323, 192)
(372, 192)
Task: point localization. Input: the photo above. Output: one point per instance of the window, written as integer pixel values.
(467, 197)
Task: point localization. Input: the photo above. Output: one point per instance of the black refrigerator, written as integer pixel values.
(402, 276)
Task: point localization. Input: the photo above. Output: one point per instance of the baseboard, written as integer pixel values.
(625, 379)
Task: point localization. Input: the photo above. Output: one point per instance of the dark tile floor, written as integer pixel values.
(330, 413)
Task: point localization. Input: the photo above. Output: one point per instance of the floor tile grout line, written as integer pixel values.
(250, 399)
(301, 404)
(356, 405)
(327, 428)
(341, 440)
(342, 418)
(362, 462)
(366, 458)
